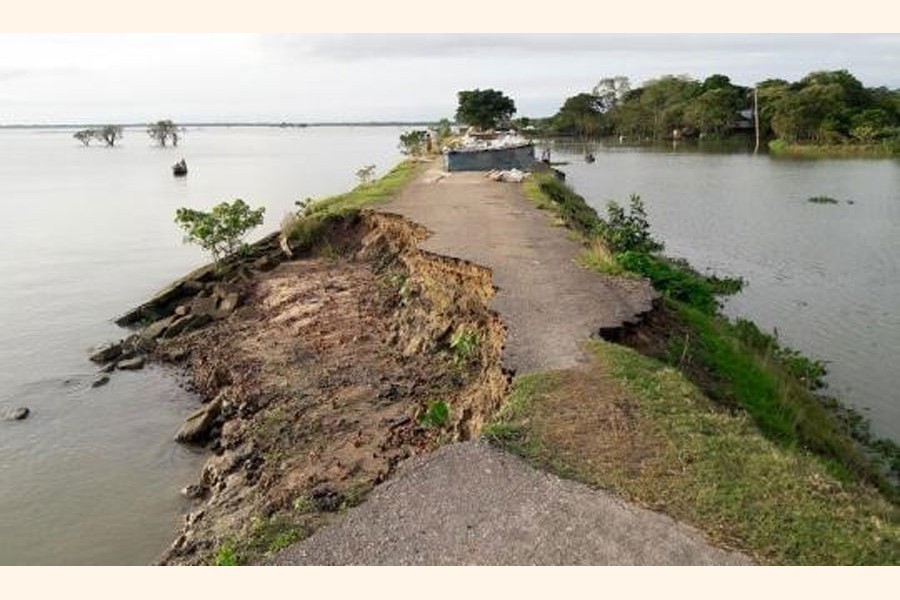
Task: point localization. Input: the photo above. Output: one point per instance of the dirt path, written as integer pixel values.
(472, 504)
(547, 301)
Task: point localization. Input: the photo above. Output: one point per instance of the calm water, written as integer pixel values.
(92, 476)
(826, 276)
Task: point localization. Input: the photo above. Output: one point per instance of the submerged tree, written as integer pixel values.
(163, 131)
(220, 231)
(85, 136)
(484, 109)
(110, 134)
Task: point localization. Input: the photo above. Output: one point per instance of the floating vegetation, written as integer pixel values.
(822, 200)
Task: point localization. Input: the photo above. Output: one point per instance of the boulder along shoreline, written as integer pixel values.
(318, 373)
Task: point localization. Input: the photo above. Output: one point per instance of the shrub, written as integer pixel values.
(412, 143)
(220, 231)
(436, 415)
(366, 174)
(628, 231)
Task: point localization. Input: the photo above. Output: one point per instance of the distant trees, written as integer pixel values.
(825, 107)
(85, 136)
(580, 115)
(108, 134)
(485, 109)
(163, 131)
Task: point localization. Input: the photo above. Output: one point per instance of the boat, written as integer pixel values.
(179, 169)
(589, 158)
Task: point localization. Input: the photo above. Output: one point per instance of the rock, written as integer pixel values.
(198, 424)
(264, 263)
(204, 306)
(108, 368)
(160, 305)
(326, 498)
(14, 414)
(193, 491)
(157, 328)
(187, 323)
(107, 353)
(229, 303)
(182, 309)
(101, 380)
(131, 364)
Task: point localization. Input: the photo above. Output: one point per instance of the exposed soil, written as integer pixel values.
(319, 378)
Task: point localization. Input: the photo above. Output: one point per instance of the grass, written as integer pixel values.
(635, 426)
(549, 193)
(316, 218)
(884, 149)
(266, 537)
(464, 345)
(436, 414)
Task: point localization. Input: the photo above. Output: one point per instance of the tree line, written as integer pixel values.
(162, 132)
(825, 107)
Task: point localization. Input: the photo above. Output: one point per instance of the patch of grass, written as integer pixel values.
(885, 149)
(597, 257)
(464, 345)
(436, 414)
(774, 385)
(375, 192)
(226, 556)
(549, 193)
(694, 461)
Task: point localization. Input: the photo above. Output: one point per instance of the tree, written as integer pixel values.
(484, 109)
(162, 131)
(85, 136)
(610, 91)
(109, 134)
(220, 231)
(713, 111)
(580, 115)
(412, 143)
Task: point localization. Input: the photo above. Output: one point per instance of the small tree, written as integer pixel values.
(85, 136)
(626, 231)
(412, 143)
(366, 174)
(110, 134)
(162, 131)
(220, 231)
(484, 109)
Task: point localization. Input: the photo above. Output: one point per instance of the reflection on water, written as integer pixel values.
(826, 276)
(92, 476)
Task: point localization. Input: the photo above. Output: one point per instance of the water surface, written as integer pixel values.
(92, 476)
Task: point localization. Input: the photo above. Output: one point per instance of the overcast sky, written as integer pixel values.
(91, 78)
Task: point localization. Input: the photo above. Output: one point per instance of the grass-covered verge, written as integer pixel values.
(638, 427)
(733, 362)
(308, 227)
(885, 149)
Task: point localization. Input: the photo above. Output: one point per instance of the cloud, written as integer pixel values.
(353, 47)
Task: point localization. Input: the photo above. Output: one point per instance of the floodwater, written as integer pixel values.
(93, 476)
(826, 277)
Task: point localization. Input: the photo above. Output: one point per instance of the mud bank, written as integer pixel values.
(318, 375)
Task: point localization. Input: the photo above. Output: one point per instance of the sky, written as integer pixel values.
(135, 78)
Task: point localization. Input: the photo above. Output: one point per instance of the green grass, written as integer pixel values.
(707, 467)
(317, 217)
(549, 193)
(436, 414)
(464, 345)
(368, 194)
(884, 149)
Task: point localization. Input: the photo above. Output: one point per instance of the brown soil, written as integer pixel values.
(322, 375)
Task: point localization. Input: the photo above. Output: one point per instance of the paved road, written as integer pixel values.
(470, 503)
(547, 301)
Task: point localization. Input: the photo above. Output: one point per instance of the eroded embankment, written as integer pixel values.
(330, 370)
